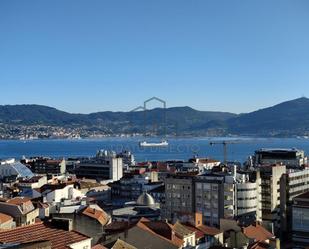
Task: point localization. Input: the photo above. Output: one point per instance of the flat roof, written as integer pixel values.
(278, 150)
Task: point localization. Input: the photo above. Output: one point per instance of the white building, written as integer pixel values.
(57, 195)
(240, 195)
(268, 211)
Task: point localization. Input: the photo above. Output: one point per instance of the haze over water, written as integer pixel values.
(179, 148)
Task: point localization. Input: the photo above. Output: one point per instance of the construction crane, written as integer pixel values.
(224, 143)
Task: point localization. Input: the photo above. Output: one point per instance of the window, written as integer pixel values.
(214, 187)
(206, 186)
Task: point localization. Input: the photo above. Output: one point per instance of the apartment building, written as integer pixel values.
(49, 166)
(209, 198)
(179, 195)
(240, 196)
(268, 184)
(104, 166)
(300, 221)
(292, 158)
(226, 195)
(292, 184)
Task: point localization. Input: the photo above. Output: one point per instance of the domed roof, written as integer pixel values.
(145, 199)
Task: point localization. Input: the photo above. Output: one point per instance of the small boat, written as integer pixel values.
(163, 143)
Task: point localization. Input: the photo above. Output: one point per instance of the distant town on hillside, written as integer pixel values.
(287, 119)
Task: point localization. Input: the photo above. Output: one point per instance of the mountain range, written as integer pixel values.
(285, 119)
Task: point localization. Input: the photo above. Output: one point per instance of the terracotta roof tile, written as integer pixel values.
(18, 200)
(99, 215)
(257, 232)
(4, 218)
(161, 229)
(60, 239)
(209, 230)
(198, 233)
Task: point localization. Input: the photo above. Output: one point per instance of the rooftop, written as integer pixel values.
(120, 244)
(202, 230)
(145, 199)
(4, 218)
(60, 239)
(20, 168)
(19, 200)
(283, 150)
(99, 215)
(31, 180)
(181, 230)
(117, 226)
(303, 196)
(257, 232)
(160, 229)
(98, 246)
(209, 230)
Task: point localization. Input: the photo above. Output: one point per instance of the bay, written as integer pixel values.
(178, 149)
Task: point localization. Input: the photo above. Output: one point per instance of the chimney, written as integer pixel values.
(198, 219)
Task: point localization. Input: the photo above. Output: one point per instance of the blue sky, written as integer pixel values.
(85, 56)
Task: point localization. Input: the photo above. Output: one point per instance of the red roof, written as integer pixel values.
(198, 233)
(257, 232)
(118, 226)
(202, 230)
(99, 215)
(209, 230)
(60, 239)
(19, 200)
(4, 218)
(161, 229)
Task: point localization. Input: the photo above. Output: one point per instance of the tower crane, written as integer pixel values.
(224, 143)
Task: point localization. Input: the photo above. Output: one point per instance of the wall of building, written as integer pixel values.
(298, 183)
(268, 180)
(84, 244)
(85, 225)
(68, 192)
(179, 196)
(246, 196)
(209, 198)
(8, 224)
(300, 223)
